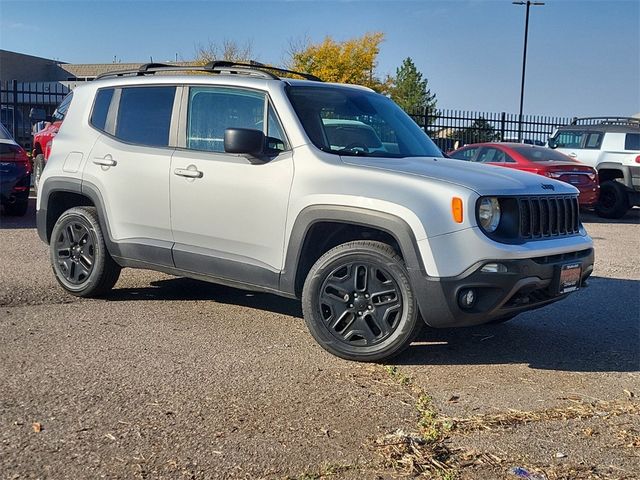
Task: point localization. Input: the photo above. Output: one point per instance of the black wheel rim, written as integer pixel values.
(75, 252)
(360, 304)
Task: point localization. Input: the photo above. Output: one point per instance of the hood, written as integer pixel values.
(482, 179)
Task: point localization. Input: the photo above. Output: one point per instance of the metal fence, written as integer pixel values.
(448, 128)
(18, 98)
(451, 129)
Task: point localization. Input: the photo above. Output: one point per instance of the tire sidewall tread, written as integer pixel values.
(411, 322)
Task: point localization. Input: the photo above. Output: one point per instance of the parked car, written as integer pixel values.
(535, 159)
(612, 146)
(43, 138)
(15, 175)
(231, 178)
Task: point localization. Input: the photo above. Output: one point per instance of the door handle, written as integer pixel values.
(106, 161)
(188, 172)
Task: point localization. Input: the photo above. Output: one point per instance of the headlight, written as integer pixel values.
(489, 214)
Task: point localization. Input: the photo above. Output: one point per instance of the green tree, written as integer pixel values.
(479, 131)
(411, 91)
(350, 61)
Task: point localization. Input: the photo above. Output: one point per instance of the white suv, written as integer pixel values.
(612, 146)
(324, 192)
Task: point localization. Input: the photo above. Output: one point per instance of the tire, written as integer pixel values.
(38, 167)
(614, 200)
(79, 257)
(18, 208)
(358, 302)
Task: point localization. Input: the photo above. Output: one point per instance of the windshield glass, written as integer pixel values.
(346, 121)
(541, 154)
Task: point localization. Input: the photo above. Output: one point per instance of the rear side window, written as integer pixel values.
(144, 115)
(632, 141)
(101, 108)
(593, 140)
(493, 155)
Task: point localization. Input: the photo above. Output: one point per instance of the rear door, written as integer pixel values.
(228, 215)
(129, 166)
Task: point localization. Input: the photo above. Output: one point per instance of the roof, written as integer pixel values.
(603, 127)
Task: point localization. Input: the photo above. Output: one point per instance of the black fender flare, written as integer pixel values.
(395, 226)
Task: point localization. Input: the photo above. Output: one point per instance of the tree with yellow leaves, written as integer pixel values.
(350, 61)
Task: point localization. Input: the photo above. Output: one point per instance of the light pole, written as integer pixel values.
(528, 3)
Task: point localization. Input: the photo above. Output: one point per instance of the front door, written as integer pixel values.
(228, 215)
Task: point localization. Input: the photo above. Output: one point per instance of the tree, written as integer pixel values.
(350, 61)
(479, 131)
(411, 91)
(230, 50)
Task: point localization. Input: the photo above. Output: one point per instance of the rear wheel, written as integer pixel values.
(358, 303)
(614, 200)
(79, 256)
(18, 208)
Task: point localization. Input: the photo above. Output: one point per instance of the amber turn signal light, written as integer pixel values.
(456, 209)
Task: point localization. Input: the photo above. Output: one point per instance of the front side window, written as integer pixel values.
(144, 115)
(348, 121)
(632, 141)
(569, 139)
(465, 154)
(212, 110)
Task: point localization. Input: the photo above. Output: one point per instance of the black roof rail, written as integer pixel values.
(627, 121)
(218, 66)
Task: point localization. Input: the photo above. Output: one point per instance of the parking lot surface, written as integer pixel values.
(174, 378)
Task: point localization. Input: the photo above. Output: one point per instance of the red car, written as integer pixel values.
(535, 159)
(43, 138)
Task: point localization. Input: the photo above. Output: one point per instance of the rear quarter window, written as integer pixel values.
(632, 141)
(101, 108)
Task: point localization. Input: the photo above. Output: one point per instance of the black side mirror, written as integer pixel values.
(552, 143)
(246, 141)
(38, 115)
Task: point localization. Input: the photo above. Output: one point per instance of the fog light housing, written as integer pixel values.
(467, 298)
(494, 268)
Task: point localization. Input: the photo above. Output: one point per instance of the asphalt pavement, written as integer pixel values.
(175, 378)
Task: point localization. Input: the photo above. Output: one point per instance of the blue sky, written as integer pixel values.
(584, 56)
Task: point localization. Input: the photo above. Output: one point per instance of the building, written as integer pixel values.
(28, 69)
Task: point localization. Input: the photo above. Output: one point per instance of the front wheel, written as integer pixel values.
(79, 256)
(358, 302)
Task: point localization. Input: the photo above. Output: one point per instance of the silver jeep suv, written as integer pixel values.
(329, 193)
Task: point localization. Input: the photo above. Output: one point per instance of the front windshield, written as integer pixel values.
(347, 121)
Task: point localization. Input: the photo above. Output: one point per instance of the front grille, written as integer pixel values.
(550, 216)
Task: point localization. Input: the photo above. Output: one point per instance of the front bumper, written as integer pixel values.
(528, 284)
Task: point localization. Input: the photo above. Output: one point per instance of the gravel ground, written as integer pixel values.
(174, 378)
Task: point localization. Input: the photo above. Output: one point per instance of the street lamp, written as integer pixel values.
(528, 3)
